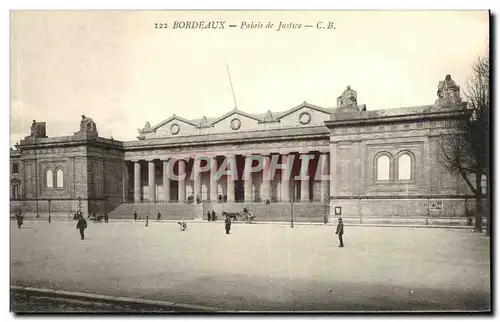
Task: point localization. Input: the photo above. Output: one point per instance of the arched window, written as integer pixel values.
(59, 178)
(49, 176)
(404, 167)
(383, 167)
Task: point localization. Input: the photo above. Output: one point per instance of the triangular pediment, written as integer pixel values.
(238, 113)
(173, 118)
(305, 105)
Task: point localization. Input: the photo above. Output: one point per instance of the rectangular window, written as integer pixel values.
(15, 168)
(15, 192)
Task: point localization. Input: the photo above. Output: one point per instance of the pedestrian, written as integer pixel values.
(135, 215)
(158, 216)
(19, 220)
(214, 217)
(82, 225)
(106, 218)
(340, 232)
(182, 225)
(228, 224)
(209, 217)
(147, 219)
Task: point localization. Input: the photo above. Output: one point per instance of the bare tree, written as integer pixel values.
(466, 148)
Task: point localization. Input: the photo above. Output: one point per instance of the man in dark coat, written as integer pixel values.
(214, 217)
(158, 216)
(209, 217)
(147, 220)
(340, 232)
(82, 225)
(106, 218)
(135, 215)
(228, 224)
(19, 220)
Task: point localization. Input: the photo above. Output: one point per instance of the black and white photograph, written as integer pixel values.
(250, 161)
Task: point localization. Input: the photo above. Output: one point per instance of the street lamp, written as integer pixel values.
(325, 219)
(49, 201)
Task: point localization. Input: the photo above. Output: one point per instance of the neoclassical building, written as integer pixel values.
(373, 164)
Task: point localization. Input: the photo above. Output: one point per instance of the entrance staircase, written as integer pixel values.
(274, 212)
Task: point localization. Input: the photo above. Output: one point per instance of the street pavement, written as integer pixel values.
(259, 267)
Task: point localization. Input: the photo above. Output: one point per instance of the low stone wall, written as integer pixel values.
(406, 208)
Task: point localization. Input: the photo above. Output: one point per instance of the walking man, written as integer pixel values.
(340, 232)
(209, 217)
(147, 219)
(214, 218)
(158, 216)
(106, 218)
(82, 225)
(228, 224)
(135, 215)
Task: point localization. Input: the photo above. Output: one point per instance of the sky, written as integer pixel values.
(118, 69)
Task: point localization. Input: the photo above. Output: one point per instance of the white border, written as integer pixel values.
(182, 4)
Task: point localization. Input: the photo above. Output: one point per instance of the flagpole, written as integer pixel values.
(232, 89)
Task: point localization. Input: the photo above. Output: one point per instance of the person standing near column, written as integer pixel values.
(340, 232)
(147, 220)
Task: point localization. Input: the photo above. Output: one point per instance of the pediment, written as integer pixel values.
(305, 106)
(236, 113)
(173, 118)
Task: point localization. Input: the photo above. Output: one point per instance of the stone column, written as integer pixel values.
(247, 177)
(325, 171)
(333, 169)
(197, 179)
(137, 181)
(285, 181)
(213, 180)
(182, 181)
(125, 181)
(230, 178)
(266, 178)
(333, 185)
(166, 181)
(304, 182)
(151, 181)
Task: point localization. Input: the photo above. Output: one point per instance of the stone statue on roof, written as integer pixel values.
(38, 129)
(87, 128)
(448, 92)
(87, 125)
(348, 99)
(269, 116)
(147, 126)
(204, 121)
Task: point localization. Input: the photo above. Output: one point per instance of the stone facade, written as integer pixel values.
(354, 144)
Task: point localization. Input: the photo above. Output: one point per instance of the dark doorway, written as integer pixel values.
(239, 191)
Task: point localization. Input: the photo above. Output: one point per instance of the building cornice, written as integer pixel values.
(378, 117)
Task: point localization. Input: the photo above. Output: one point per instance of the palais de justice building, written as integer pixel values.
(380, 163)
